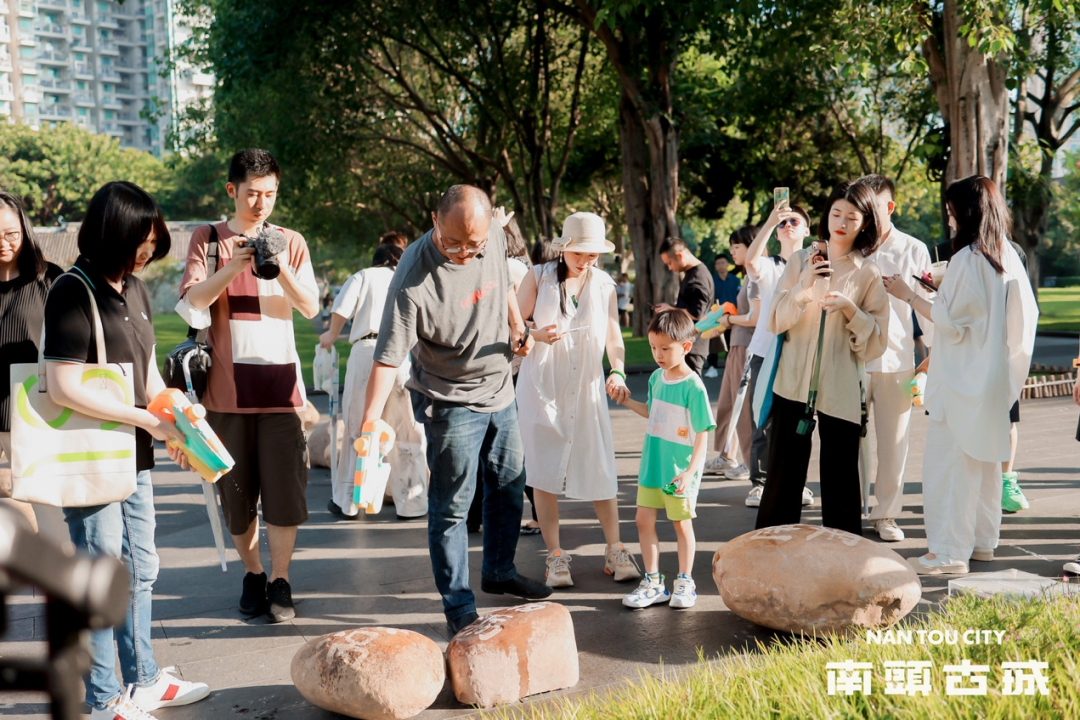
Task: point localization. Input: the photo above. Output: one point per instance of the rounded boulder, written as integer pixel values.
(371, 673)
(814, 580)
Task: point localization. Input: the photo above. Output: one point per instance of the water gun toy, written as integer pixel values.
(917, 387)
(372, 472)
(204, 451)
(709, 326)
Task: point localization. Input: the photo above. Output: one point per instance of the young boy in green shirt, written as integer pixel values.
(680, 418)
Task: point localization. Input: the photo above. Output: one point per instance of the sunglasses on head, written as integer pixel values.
(793, 222)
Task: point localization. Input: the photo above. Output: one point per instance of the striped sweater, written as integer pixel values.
(22, 310)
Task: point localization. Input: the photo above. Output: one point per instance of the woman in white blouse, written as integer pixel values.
(562, 407)
(985, 317)
(839, 280)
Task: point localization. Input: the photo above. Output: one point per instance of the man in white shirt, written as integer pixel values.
(888, 378)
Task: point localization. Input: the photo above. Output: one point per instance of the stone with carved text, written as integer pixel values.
(513, 653)
(804, 578)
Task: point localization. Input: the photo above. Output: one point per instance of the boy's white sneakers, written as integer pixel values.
(620, 564)
(685, 592)
(557, 574)
(648, 592)
(168, 691)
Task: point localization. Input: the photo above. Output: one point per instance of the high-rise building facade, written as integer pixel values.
(98, 64)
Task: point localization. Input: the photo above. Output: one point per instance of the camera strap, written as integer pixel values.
(199, 336)
(806, 425)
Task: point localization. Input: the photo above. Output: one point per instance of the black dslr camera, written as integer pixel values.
(268, 244)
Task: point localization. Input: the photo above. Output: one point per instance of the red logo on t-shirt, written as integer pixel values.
(478, 295)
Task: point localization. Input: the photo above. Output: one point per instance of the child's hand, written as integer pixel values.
(682, 484)
(616, 389)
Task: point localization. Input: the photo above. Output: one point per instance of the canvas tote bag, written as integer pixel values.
(61, 457)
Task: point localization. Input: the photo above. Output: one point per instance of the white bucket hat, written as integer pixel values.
(583, 232)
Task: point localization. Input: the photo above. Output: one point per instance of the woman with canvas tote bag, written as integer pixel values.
(25, 279)
(100, 306)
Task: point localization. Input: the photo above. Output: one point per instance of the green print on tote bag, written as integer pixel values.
(61, 457)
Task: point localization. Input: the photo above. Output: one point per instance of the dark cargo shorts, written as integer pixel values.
(270, 454)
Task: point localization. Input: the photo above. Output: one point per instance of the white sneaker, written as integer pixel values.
(940, 565)
(739, 472)
(711, 373)
(887, 530)
(122, 709)
(719, 465)
(1073, 566)
(684, 594)
(557, 574)
(169, 691)
(807, 497)
(647, 593)
(619, 563)
(754, 498)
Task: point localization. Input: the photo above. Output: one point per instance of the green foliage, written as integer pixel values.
(787, 678)
(56, 170)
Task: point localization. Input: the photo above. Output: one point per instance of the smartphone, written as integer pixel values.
(781, 197)
(928, 286)
(820, 248)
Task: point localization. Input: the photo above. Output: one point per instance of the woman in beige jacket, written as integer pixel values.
(830, 282)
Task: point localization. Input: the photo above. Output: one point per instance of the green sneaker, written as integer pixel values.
(1012, 497)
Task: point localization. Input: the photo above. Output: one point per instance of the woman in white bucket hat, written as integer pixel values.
(562, 407)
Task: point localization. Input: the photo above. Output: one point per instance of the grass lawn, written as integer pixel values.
(789, 678)
(1059, 308)
(171, 330)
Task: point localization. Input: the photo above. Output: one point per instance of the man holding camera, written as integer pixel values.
(246, 296)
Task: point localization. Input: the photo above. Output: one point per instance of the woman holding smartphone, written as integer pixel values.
(832, 283)
(985, 315)
(562, 408)
(122, 233)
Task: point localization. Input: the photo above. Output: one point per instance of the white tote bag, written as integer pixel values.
(64, 458)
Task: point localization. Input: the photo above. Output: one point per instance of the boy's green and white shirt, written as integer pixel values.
(678, 411)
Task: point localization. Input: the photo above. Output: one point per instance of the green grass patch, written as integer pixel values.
(170, 330)
(788, 679)
(637, 349)
(1059, 309)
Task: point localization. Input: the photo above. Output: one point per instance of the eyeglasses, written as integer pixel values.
(11, 238)
(793, 222)
(455, 250)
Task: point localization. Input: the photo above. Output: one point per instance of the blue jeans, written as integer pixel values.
(457, 439)
(122, 530)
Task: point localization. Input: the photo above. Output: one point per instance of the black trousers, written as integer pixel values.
(789, 457)
(696, 362)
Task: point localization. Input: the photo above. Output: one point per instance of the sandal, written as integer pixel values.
(527, 530)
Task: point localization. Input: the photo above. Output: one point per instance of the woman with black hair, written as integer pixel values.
(830, 282)
(123, 232)
(25, 279)
(984, 315)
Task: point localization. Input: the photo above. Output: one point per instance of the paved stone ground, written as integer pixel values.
(377, 572)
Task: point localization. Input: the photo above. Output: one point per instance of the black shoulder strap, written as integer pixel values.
(199, 336)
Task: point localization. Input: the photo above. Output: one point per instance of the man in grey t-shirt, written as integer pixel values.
(453, 307)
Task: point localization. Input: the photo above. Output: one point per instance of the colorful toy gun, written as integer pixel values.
(709, 325)
(372, 473)
(204, 451)
(917, 387)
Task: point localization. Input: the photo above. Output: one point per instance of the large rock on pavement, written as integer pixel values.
(319, 443)
(803, 578)
(374, 673)
(513, 653)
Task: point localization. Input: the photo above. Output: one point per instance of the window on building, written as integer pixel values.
(26, 52)
(77, 30)
(83, 112)
(26, 24)
(109, 114)
(107, 87)
(30, 108)
(80, 57)
(103, 6)
(80, 84)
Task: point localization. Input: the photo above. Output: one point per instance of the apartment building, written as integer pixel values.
(96, 63)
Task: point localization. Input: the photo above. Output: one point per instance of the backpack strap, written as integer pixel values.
(199, 336)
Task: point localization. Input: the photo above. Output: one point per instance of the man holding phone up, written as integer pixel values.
(887, 395)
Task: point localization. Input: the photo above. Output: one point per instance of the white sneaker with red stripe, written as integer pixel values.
(169, 691)
(122, 709)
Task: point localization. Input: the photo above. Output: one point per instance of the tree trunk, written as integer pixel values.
(974, 102)
(635, 164)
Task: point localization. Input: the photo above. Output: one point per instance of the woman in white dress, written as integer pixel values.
(984, 317)
(362, 299)
(562, 407)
